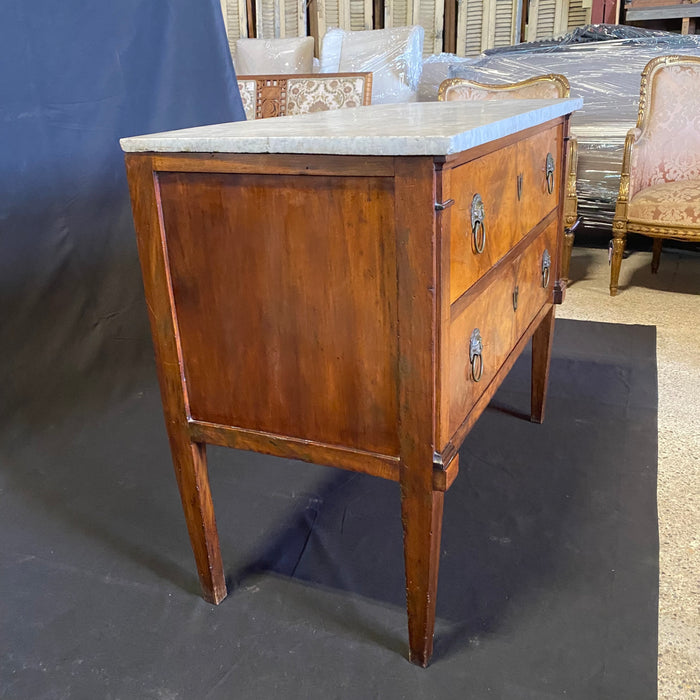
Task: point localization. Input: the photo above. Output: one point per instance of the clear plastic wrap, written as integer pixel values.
(273, 56)
(436, 68)
(394, 57)
(606, 74)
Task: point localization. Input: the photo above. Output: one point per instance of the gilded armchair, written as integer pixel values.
(660, 179)
(543, 87)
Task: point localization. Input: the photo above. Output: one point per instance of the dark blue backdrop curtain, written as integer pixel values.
(75, 76)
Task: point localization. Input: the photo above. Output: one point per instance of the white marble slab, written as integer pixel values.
(419, 128)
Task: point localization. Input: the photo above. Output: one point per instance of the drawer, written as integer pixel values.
(491, 313)
(539, 191)
(534, 284)
(518, 186)
(492, 178)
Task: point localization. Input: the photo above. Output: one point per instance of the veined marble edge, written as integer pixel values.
(363, 145)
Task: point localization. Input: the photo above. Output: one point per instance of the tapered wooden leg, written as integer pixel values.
(541, 354)
(656, 255)
(422, 527)
(566, 255)
(189, 458)
(190, 462)
(618, 248)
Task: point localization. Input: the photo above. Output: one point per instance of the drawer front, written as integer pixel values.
(491, 312)
(473, 252)
(535, 274)
(539, 167)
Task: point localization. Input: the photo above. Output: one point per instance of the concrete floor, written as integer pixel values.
(670, 301)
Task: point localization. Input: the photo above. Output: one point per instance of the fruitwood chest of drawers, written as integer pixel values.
(349, 289)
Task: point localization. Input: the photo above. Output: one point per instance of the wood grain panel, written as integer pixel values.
(493, 177)
(285, 294)
(531, 294)
(492, 313)
(536, 201)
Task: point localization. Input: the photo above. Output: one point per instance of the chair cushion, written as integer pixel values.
(667, 204)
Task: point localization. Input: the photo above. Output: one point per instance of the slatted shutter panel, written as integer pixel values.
(354, 15)
(429, 14)
(470, 20)
(279, 19)
(550, 18)
(578, 15)
(485, 24)
(543, 19)
(235, 14)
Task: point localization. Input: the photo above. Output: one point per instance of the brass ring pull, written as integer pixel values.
(546, 265)
(478, 230)
(550, 173)
(475, 360)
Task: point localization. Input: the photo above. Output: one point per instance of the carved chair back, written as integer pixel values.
(542, 87)
(281, 95)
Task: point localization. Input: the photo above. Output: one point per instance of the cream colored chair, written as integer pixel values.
(543, 87)
(660, 179)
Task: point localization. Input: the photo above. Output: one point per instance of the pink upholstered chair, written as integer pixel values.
(660, 179)
(542, 87)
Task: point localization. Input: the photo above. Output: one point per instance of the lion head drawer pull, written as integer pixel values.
(475, 348)
(546, 264)
(550, 173)
(478, 230)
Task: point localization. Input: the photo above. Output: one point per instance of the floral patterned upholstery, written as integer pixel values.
(320, 93)
(667, 204)
(247, 87)
(668, 147)
(280, 95)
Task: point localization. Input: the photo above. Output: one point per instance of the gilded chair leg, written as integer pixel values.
(618, 248)
(656, 255)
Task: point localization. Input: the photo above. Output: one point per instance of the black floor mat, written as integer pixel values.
(548, 576)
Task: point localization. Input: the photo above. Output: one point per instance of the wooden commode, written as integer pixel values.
(349, 288)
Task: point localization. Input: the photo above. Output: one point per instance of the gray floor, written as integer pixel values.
(670, 301)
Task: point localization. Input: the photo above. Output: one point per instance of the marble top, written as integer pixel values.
(411, 129)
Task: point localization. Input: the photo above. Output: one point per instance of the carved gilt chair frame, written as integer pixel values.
(511, 91)
(621, 223)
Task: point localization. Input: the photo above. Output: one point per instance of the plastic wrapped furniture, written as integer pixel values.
(393, 56)
(660, 179)
(266, 56)
(280, 95)
(543, 87)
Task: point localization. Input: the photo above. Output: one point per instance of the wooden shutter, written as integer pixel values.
(235, 14)
(352, 15)
(550, 18)
(279, 19)
(429, 14)
(485, 24)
